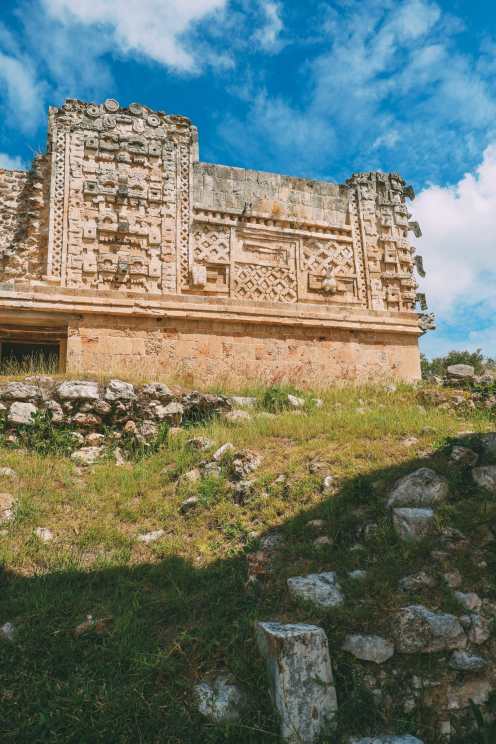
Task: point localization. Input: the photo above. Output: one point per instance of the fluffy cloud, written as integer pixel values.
(12, 163)
(269, 35)
(22, 92)
(152, 28)
(459, 244)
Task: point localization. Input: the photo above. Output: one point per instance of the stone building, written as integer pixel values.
(120, 250)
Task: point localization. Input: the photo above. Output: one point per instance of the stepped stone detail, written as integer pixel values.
(122, 247)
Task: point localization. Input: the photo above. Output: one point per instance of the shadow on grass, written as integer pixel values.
(173, 623)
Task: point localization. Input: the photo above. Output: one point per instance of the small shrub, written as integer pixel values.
(136, 448)
(275, 398)
(44, 437)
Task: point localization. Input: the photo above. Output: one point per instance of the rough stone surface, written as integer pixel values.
(321, 589)
(469, 600)
(7, 632)
(149, 537)
(45, 534)
(78, 390)
(21, 414)
(219, 700)
(461, 371)
(7, 507)
(387, 740)
(369, 648)
(465, 662)
(424, 487)
(118, 390)
(413, 524)
(464, 456)
(20, 391)
(222, 451)
(485, 477)
(415, 629)
(87, 455)
(301, 679)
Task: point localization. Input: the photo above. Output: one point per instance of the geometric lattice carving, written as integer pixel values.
(264, 283)
(320, 255)
(211, 244)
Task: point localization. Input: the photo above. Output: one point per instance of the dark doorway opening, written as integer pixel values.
(19, 357)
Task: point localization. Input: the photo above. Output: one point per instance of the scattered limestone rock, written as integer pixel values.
(199, 443)
(321, 589)
(323, 541)
(369, 647)
(328, 484)
(222, 451)
(358, 574)
(301, 680)
(7, 632)
(244, 463)
(86, 420)
(240, 401)
(485, 477)
(236, 417)
(478, 628)
(192, 476)
(189, 504)
(44, 534)
(149, 537)
(424, 487)
(464, 456)
(92, 625)
(295, 402)
(219, 700)
(119, 390)
(21, 413)
(6, 472)
(7, 507)
(413, 524)
(316, 524)
(56, 411)
(417, 582)
(157, 390)
(460, 371)
(453, 578)
(387, 740)
(93, 439)
(171, 413)
(469, 600)
(87, 455)
(20, 391)
(476, 690)
(488, 444)
(418, 630)
(78, 390)
(462, 661)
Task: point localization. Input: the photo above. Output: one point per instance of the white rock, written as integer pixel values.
(223, 450)
(119, 390)
(236, 417)
(417, 581)
(301, 680)
(189, 504)
(7, 507)
(150, 537)
(20, 391)
(240, 401)
(321, 589)
(413, 524)
(219, 700)
(44, 534)
(323, 541)
(369, 647)
(328, 484)
(78, 390)
(423, 487)
(416, 629)
(7, 472)
(465, 662)
(358, 574)
(87, 455)
(56, 410)
(158, 390)
(460, 371)
(485, 477)
(21, 413)
(7, 632)
(172, 412)
(296, 402)
(469, 600)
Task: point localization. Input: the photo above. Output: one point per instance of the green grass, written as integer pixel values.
(180, 607)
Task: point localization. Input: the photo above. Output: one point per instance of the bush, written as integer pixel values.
(275, 398)
(439, 365)
(45, 438)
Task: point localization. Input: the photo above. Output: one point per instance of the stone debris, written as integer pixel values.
(191, 476)
(323, 541)
(413, 524)
(20, 391)
(189, 504)
(87, 455)
(222, 451)
(464, 456)
(78, 390)
(219, 700)
(301, 679)
(369, 648)
(387, 740)
(244, 463)
(236, 417)
(460, 371)
(157, 390)
(7, 507)
(150, 537)
(477, 627)
(322, 589)
(7, 632)
(462, 661)
(485, 477)
(119, 390)
(415, 629)
(240, 401)
(472, 689)
(488, 444)
(295, 402)
(99, 626)
(171, 413)
(199, 443)
(44, 534)
(423, 487)
(316, 524)
(417, 582)
(358, 574)
(21, 414)
(328, 484)
(6, 472)
(469, 600)
(94, 439)
(453, 579)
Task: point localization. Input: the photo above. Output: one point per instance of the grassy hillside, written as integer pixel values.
(179, 608)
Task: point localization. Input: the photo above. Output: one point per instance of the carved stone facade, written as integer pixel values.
(119, 218)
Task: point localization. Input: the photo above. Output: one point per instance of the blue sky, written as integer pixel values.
(319, 88)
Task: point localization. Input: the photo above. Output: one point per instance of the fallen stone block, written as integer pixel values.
(369, 647)
(219, 700)
(423, 487)
(321, 589)
(413, 524)
(301, 679)
(415, 629)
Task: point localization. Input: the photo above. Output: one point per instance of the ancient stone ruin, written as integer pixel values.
(120, 250)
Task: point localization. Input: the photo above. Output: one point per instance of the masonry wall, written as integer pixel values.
(207, 351)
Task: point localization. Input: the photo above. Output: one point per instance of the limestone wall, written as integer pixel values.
(212, 351)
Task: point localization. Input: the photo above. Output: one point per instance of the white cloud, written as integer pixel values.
(153, 28)
(268, 36)
(11, 162)
(22, 93)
